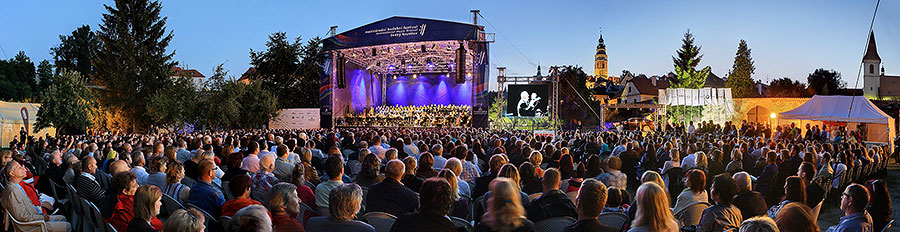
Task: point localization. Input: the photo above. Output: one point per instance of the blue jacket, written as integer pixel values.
(207, 197)
(860, 222)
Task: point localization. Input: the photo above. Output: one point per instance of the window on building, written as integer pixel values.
(871, 69)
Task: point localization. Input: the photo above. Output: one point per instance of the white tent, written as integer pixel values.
(855, 110)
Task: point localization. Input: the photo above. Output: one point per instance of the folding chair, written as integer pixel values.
(556, 224)
(212, 224)
(459, 222)
(613, 219)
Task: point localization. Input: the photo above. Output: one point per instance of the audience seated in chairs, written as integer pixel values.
(204, 194)
(174, 188)
(334, 168)
(304, 192)
(284, 206)
(794, 191)
(146, 205)
(435, 199)
(814, 193)
(157, 172)
(240, 187)
(251, 218)
(694, 191)
(460, 206)
(410, 180)
(589, 204)
(553, 202)
(21, 201)
(613, 177)
(118, 207)
(722, 215)
(369, 174)
(751, 203)
(504, 212)
(345, 201)
(653, 212)
(390, 196)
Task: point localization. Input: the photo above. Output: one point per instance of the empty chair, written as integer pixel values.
(692, 214)
(556, 224)
(170, 204)
(381, 221)
(459, 222)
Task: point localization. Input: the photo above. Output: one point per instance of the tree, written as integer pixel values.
(44, 75)
(825, 82)
(687, 59)
(257, 106)
(311, 71)
(577, 105)
(67, 105)
(277, 69)
(175, 106)
(76, 52)
(739, 78)
(785, 87)
(132, 63)
(17, 78)
(220, 107)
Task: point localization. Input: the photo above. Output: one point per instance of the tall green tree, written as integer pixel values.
(824, 82)
(77, 51)
(220, 107)
(176, 106)
(68, 105)
(257, 106)
(739, 78)
(686, 60)
(311, 70)
(44, 75)
(277, 69)
(17, 82)
(132, 63)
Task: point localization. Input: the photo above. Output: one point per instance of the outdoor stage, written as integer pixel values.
(406, 72)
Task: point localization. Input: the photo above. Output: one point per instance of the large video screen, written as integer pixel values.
(528, 100)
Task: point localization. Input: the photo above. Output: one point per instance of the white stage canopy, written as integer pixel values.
(851, 109)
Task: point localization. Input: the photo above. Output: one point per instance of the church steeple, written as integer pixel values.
(871, 75)
(600, 59)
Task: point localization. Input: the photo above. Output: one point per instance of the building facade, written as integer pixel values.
(877, 85)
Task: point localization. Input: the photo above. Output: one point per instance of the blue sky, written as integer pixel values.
(787, 38)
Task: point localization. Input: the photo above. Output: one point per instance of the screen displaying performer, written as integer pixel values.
(528, 100)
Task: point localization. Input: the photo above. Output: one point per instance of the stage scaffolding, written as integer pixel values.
(553, 79)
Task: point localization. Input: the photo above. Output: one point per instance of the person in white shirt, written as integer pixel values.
(691, 128)
(410, 148)
(251, 162)
(439, 161)
(138, 169)
(376, 147)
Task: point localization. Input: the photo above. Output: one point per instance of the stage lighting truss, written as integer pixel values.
(409, 58)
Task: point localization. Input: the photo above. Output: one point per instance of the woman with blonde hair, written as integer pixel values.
(653, 212)
(174, 187)
(145, 207)
(504, 210)
(653, 177)
(460, 206)
(536, 158)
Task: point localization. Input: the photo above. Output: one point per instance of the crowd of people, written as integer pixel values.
(680, 178)
(410, 116)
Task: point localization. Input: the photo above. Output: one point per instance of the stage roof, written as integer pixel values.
(399, 29)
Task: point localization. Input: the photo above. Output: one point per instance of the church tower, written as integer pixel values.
(600, 68)
(871, 74)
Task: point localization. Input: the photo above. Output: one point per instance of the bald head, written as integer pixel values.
(395, 169)
(267, 162)
(118, 166)
(742, 179)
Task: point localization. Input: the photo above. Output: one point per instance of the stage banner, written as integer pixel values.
(400, 29)
(705, 96)
(673, 96)
(720, 96)
(692, 95)
(297, 118)
(662, 99)
(681, 97)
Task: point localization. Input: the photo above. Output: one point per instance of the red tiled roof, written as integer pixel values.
(645, 85)
(247, 73)
(176, 71)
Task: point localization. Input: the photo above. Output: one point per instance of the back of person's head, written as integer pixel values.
(186, 220)
(496, 162)
(723, 186)
(859, 197)
(653, 209)
(435, 197)
(591, 198)
(344, 201)
(613, 197)
(614, 163)
(205, 166)
(410, 163)
(653, 177)
(536, 158)
(504, 208)
(334, 167)
(451, 179)
(566, 167)
(509, 171)
(234, 160)
(759, 224)
(880, 203)
(796, 216)
(240, 184)
(696, 180)
(157, 164)
(743, 181)
(426, 161)
(454, 165)
(253, 218)
(282, 151)
(794, 189)
(145, 199)
(121, 182)
(394, 169)
(808, 171)
(252, 147)
(551, 179)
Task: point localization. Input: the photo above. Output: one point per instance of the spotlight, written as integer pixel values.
(415, 76)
